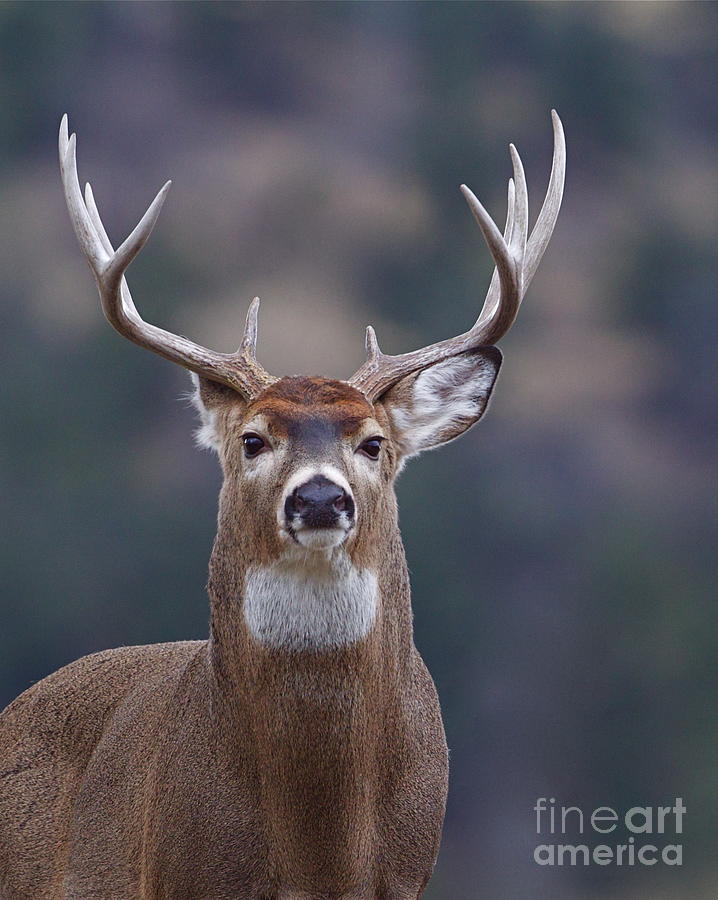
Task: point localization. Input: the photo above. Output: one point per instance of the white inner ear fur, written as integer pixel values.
(443, 402)
(206, 435)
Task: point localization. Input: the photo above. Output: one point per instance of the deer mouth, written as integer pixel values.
(318, 538)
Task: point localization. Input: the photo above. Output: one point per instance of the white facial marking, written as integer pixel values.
(333, 474)
(293, 606)
(322, 538)
(260, 466)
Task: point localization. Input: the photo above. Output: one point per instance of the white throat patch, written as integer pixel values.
(292, 606)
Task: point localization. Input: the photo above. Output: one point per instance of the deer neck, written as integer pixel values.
(314, 686)
(309, 613)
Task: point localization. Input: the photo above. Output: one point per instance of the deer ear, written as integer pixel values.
(441, 402)
(209, 398)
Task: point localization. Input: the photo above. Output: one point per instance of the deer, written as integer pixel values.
(299, 752)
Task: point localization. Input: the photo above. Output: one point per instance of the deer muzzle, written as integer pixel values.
(319, 512)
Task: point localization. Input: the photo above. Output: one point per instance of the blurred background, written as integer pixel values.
(563, 554)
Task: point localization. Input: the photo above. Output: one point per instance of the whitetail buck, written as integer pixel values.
(299, 753)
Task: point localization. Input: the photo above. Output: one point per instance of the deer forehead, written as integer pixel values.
(311, 412)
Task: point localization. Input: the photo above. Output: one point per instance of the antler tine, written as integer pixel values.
(546, 221)
(89, 243)
(248, 347)
(517, 242)
(239, 371)
(494, 292)
(126, 297)
(510, 202)
(516, 256)
(517, 219)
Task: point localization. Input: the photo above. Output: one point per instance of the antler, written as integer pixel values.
(516, 257)
(240, 370)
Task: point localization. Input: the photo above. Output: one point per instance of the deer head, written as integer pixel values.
(309, 462)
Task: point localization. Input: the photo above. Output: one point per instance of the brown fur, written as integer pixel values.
(225, 769)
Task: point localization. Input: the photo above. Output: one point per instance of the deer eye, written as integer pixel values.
(253, 444)
(371, 447)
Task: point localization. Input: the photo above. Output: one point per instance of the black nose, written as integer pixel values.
(319, 502)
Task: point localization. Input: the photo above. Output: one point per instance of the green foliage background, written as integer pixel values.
(563, 555)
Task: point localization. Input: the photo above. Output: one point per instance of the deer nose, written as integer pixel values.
(319, 503)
